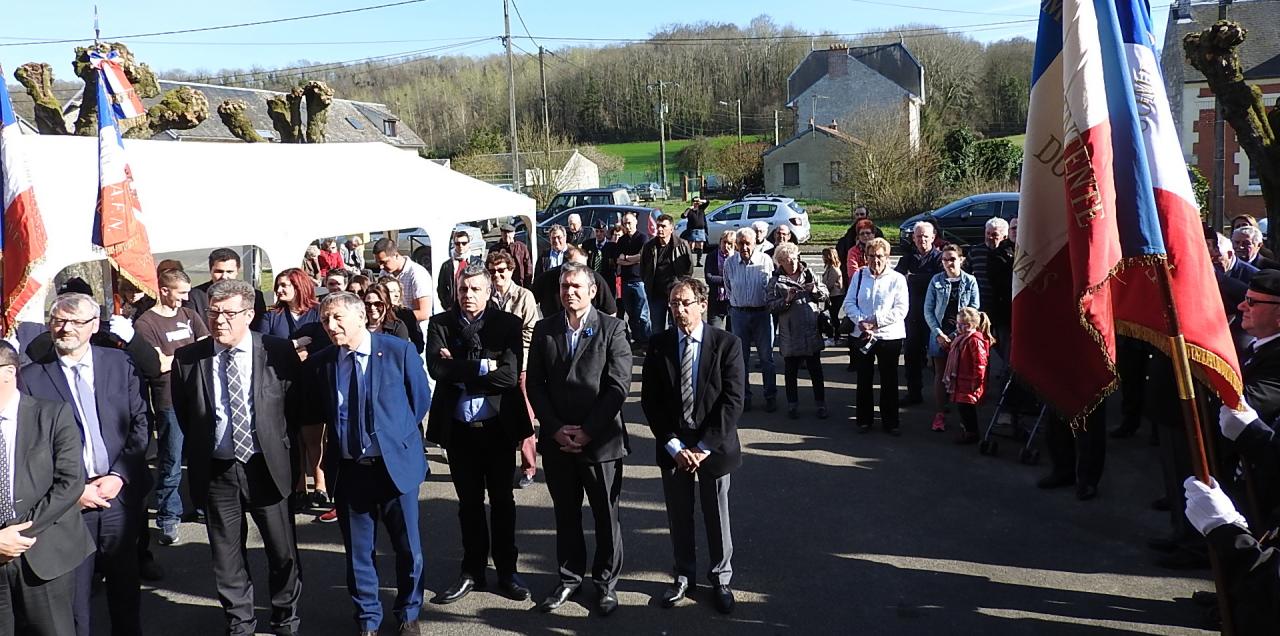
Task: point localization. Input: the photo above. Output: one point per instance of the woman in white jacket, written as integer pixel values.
(876, 303)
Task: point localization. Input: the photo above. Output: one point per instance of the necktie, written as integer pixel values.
(7, 511)
(686, 382)
(357, 440)
(241, 436)
(91, 428)
(1248, 351)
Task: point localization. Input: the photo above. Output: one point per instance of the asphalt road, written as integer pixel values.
(835, 533)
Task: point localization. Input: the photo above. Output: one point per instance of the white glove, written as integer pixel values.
(1208, 507)
(121, 327)
(1233, 423)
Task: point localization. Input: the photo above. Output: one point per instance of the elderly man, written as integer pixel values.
(353, 253)
(1223, 256)
(576, 235)
(762, 236)
(105, 393)
(557, 243)
(746, 279)
(1247, 241)
(919, 266)
(523, 274)
(664, 259)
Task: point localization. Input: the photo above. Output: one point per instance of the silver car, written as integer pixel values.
(744, 212)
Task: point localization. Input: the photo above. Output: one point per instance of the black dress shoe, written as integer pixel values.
(514, 588)
(724, 599)
(1085, 492)
(463, 587)
(608, 603)
(1055, 480)
(863, 429)
(557, 598)
(412, 628)
(675, 593)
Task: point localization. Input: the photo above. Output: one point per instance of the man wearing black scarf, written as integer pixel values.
(478, 414)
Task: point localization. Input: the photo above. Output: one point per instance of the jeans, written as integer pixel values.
(756, 328)
(659, 313)
(637, 306)
(169, 467)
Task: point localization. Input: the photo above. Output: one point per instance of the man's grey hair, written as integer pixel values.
(747, 232)
(925, 225)
(998, 223)
(8, 355)
(574, 217)
(232, 288)
(475, 270)
(760, 226)
(1254, 234)
(557, 229)
(574, 269)
(1224, 246)
(75, 304)
(342, 300)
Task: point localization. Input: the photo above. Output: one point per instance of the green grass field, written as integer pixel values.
(641, 158)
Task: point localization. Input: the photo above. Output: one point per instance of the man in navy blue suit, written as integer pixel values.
(373, 389)
(106, 392)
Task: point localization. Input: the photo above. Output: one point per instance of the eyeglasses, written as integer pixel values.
(228, 315)
(678, 303)
(462, 243)
(499, 270)
(376, 304)
(1250, 301)
(58, 323)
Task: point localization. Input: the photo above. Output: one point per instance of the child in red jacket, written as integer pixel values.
(966, 371)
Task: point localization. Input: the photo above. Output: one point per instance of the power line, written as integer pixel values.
(526, 27)
(934, 30)
(912, 6)
(224, 26)
(340, 65)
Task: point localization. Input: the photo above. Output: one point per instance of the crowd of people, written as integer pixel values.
(325, 402)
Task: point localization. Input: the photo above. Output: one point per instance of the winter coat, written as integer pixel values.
(939, 293)
(971, 353)
(798, 334)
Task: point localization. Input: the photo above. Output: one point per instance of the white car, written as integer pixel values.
(743, 212)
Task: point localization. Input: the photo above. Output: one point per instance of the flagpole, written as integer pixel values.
(1195, 431)
(112, 280)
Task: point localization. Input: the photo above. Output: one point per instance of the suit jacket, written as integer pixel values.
(122, 410)
(48, 479)
(447, 280)
(275, 368)
(1261, 373)
(502, 339)
(586, 389)
(398, 400)
(717, 403)
(145, 358)
(546, 290)
(1262, 262)
(198, 300)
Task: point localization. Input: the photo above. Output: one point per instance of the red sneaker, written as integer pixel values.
(939, 422)
(329, 516)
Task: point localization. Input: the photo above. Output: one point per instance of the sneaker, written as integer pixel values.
(526, 480)
(320, 499)
(169, 534)
(329, 516)
(939, 422)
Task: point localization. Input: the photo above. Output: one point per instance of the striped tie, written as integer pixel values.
(241, 436)
(7, 511)
(686, 381)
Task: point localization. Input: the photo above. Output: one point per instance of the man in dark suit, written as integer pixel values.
(452, 269)
(1260, 360)
(230, 395)
(224, 263)
(579, 376)
(105, 392)
(1247, 242)
(697, 435)
(546, 287)
(373, 390)
(555, 256)
(42, 538)
(478, 415)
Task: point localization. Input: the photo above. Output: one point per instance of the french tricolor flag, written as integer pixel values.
(1105, 199)
(23, 239)
(124, 99)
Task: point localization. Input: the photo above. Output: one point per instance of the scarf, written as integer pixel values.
(469, 346)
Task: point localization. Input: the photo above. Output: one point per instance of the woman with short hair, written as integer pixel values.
(949, 291)
(876, 302)
(794, 295)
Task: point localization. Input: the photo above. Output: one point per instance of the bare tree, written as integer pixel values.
(37, 78)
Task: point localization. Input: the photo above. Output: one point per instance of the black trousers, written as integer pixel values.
(234, 490)
(568, 480)
(482, 460)
(791, 373)
(884, 356)
(32, 606)
(1132, 360)
(678, 489)
(915, 350)
(968, 417)
(115, 533)
(1083, 454)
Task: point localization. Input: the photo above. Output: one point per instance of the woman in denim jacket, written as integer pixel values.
(949, 291)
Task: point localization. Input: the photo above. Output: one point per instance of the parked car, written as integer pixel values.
(577, 198)
(625, 186)
(772, 209)
(964, 222)
(610, 215)
(650, 192)
(714, 184)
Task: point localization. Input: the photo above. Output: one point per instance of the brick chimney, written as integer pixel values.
(837, 62)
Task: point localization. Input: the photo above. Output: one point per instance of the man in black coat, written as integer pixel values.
(579, 376)
(546, 287)
(224, 263)
(664, 259)
(919, 266)
(232, 395)
(697, 435)
(478, 415)
(42, 538)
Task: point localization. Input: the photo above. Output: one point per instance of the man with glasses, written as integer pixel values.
(42, 539)
(451, 271)
(105, 392)
(229, 393)
(555, 256)
(514, 299)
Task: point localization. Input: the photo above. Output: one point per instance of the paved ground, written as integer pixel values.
(835, 533)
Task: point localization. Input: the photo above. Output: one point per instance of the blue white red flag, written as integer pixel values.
(23, 239)
(119, 227)
(124, 99)
(1105, 198)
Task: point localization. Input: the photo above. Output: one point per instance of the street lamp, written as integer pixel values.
(738, 102)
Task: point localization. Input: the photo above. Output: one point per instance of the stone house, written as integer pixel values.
(809, 165)
(852, 86)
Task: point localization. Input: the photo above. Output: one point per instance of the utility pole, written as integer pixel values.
(775, 127)
(511, 96)
(1219, 207)
(546, 119)
(738, 102)
(662, 128)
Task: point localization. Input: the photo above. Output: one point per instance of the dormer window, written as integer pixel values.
(389, 127)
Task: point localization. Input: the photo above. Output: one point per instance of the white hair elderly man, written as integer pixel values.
(1224, 259)
(577, 235)
(1246, 241)
(762, 236)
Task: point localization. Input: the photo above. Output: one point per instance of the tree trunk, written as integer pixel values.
(286, 115)
(1213, 53)
(182, 108)
(140, 75)
(319, 97)
(37, 78)
(233, 117)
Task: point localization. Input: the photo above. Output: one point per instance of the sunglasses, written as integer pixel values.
(1254, 301)
(377, 304)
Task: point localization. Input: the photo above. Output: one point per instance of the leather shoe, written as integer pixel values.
(557, 598)
(675, 593)
(368, 632)
(514, 588)
(463, 587)
(412, 628)
(1085, 492)
(1055, 480)
(608, 603)
(724, 599)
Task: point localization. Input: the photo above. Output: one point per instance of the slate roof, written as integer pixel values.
(830, 132)
(1260, 53)
(893, 61)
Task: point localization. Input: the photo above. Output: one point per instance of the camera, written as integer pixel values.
(868, 341)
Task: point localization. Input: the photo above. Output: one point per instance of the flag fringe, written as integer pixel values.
(29, 289)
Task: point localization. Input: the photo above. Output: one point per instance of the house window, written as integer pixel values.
(389, 127)
(837, 172)
(1255, 183)
(790, 174)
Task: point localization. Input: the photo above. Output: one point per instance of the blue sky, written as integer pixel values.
(437, 23)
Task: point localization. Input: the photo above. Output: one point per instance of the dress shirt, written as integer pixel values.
(554, 259)
(223, 445)
(472, 407)
(9, 430)
(675, 445)
(345, 368)
(572, 336)
(881, 298)
(1256, 344)
(69, 372)
(747, 281)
